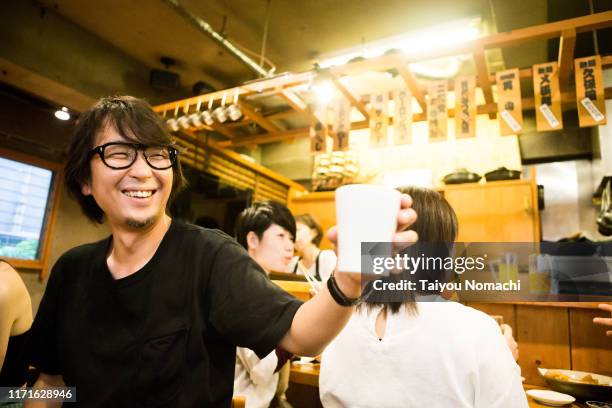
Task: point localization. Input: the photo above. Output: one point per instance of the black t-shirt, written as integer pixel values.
(164, 336)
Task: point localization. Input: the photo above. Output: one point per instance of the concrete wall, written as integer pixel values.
(48, 47)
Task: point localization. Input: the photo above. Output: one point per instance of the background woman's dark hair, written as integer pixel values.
(311, 223)
(135, 120)
(436, 224)
(258, 218)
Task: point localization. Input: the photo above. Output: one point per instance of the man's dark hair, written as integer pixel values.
(259, 217)
(311, 223)
(132, 118)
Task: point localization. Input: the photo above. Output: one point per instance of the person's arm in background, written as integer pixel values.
(319, 320)
(499, 376)
(46, 381)
(512, 344)
(605, 321)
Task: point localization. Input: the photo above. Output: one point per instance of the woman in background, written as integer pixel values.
(406, 354)
(15, 322)
(310, 259)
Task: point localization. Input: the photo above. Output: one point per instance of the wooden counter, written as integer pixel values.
(555, 335)
(308, 375)
(550, 335)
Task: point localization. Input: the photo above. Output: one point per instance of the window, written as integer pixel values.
(25, 191)
(28, 188)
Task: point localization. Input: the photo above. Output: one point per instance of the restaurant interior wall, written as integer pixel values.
(29, 123)
(568, 193)
(51, 56)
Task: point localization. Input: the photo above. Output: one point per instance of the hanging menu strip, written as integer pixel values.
(378, 119)
(549, 116)
(590, 91)
(437, 115)
(342, 124)
(509, 101)
(465, 107)
(318, 130)
(547, 96)
(402, 116)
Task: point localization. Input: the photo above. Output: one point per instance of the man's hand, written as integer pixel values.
(512, 344)
(606, 321)
(350, 283)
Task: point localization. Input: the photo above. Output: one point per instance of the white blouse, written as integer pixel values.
(254, 378)
(327, 264)
(448, 355)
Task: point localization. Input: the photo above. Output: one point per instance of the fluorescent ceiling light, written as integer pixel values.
(62, 114)
(412, 43)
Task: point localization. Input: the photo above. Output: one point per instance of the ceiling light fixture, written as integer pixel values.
(62, 114)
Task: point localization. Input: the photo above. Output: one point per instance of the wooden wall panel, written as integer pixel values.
(321, 206)
(591, 348)
(500, 212)
(543, 336)
(498, 309)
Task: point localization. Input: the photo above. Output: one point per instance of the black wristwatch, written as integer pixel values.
(337, 294)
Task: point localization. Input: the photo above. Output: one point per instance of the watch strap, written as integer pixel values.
(338, 295)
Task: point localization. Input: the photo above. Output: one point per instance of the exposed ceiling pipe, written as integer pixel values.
(206, 28)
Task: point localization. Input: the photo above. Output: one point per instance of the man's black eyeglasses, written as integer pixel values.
(121, 155)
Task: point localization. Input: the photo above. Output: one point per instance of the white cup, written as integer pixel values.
(364, 213)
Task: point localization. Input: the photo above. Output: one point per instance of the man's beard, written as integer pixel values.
(140, 224)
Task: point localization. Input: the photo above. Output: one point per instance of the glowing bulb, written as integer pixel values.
(62, 114)
(324, 92)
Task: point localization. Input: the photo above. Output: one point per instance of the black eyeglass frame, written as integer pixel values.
(99, 150)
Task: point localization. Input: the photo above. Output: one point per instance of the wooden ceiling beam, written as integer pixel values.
(223, 129)
(567, 43)
(265, 138)
(299, 105)
(548, 30)
(507, 39)
(258, 118)
(483, 78)
(487, 108)
(412, 84)
(349, 95)
(245, 121)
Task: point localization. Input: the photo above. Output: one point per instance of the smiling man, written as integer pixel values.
(152, 315)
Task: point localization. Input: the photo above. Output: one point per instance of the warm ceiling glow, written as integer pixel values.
(412, 43)
(324, 91)
(62, 114)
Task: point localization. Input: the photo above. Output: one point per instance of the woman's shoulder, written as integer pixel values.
(13, 291)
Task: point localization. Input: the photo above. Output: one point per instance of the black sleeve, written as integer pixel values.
(43, 347)
(246, 307)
